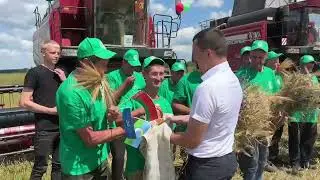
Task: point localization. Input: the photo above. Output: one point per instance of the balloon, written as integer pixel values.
(179, 8)
(186, 7)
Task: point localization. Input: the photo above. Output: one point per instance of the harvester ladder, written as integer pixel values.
(166, 28)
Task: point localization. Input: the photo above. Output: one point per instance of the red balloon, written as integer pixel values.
(179, 8)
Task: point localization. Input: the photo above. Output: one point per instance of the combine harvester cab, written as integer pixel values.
(290, 27)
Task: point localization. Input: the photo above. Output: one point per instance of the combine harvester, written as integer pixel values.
(16, 124)
(120, 24)
(290, 27)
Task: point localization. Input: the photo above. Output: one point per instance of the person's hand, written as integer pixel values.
(52, 111)
(119, 121)
(168, 118)
(159, 111)
(60, 73)
(283, 117)
(129, 81)
(113, 113)
(157, 122)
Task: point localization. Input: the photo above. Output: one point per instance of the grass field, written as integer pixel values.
(18, 170)
(11, 78)
(10, 99)
(21, 169)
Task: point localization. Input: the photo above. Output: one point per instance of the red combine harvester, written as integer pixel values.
(16, 124)
(288, 26)
(120, 24)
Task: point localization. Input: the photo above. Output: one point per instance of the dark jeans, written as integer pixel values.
(118, 149)
(216, 168)
(302, 137)
(46, 143)
(252, 164)
(100, 173)
(274, 148)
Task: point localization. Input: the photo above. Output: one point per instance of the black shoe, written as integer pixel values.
(270, 167)
(308, 165)
(296, 169)
(305, 165)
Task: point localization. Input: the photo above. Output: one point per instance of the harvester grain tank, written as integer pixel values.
(291, 27)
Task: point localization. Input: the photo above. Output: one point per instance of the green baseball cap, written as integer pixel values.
(152, 59)
(273, 55)
(245, 49)
(178, 66)
(306, 59)
(132, 57)
(260, 44)
(93, 47)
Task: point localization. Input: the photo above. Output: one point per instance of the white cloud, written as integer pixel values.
(205, 3)
(157, 8)
(3, 2)
(209, 3)
(220, 14)
(17, 26)
(10, 60)
(182, 45)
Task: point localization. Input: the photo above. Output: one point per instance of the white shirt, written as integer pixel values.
(217, 102)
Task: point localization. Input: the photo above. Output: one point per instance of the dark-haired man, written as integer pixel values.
(214, 113)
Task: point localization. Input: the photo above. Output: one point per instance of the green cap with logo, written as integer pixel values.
(306, 59)
(132, 57)
(260, 45)
(93, 47)
(273, 55)
(152, 60)
(178, 66)
(245, 49)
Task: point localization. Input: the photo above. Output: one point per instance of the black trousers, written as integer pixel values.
(118, 149)
(302, 137)
(46, 143)
(217, 168)
(274, 147)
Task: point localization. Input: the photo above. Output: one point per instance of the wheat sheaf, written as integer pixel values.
(94, 80)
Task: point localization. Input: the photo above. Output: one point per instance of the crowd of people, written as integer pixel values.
(81, 126)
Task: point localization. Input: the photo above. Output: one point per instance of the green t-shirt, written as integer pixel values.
(135, 160)
(116, 78)
(167, 90)
(77, 110)
(279, 80)
(307, 117)
(265, 79)
(186, 88)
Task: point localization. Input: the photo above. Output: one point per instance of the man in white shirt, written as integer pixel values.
(215, 109)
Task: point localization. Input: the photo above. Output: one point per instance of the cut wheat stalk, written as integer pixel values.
(304, 94)
(89, 77)
(258, 119)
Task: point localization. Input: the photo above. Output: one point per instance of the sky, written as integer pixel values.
(17, 26)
